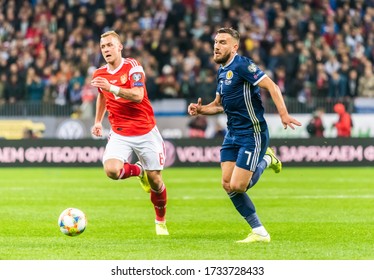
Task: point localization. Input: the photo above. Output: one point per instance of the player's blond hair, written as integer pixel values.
(111, 33)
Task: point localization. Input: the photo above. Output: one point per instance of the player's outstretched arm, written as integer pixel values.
(277, 97)
(213, 108)
(134, 94)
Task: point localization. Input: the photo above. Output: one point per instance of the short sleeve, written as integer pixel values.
(250, 72)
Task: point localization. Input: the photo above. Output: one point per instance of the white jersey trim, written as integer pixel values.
(131, 61)
(115, 70)
(259, 80)
(136, 69)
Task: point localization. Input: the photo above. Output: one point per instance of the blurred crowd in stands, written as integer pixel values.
(310, 48)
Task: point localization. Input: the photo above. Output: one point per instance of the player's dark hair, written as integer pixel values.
(234, 33)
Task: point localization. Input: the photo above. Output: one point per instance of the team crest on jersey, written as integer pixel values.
(252, 67)
(123, 78)
(229, 75)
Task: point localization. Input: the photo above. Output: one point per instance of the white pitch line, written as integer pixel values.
(322, 197)
(290, 197)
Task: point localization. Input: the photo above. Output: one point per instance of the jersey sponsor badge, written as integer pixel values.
(252, 67)
(137, 77)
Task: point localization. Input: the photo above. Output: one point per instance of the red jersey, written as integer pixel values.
(126, 117)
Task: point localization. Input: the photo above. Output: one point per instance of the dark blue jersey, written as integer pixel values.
(240, 95)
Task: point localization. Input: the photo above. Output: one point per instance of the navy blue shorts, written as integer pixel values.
(246, 150)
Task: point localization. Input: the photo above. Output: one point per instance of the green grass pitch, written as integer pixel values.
(311, 214)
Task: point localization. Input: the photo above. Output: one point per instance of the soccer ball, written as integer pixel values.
(72, 222)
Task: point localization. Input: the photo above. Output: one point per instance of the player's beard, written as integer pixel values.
(223, 60)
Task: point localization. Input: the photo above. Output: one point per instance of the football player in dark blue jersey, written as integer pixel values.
(245, 152)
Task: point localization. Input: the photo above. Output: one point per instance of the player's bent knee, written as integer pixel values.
(226, 187)
(155, 179)
(238, 188)
(112, 168)
(112, 174)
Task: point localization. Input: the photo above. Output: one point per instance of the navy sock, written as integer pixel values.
(246, 208)
(257, 174)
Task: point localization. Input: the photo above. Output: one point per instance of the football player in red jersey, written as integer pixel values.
(122, 92)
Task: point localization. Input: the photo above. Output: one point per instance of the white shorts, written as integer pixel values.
(149, 148)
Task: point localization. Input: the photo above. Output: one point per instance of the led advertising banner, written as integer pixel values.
(188, 152)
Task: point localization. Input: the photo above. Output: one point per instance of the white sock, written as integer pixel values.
(260, 231)
(267, 158)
